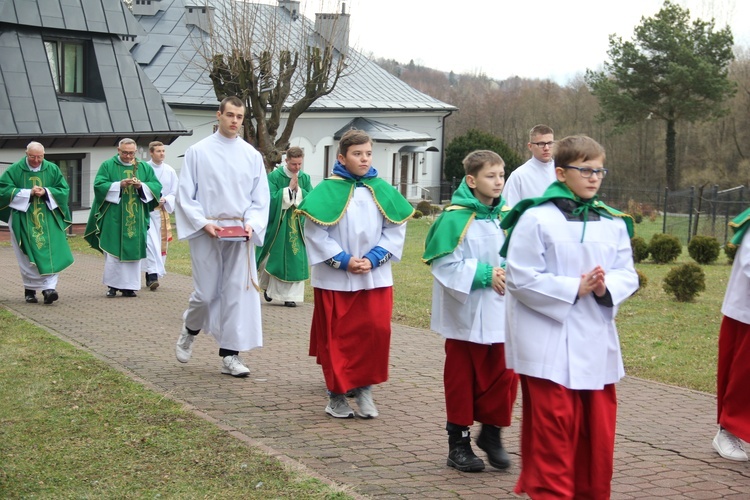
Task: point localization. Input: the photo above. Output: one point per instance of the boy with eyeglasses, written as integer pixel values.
(533, 177)
(569, 267)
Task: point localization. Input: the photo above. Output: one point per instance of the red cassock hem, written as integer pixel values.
(733, 377)
(350, 336)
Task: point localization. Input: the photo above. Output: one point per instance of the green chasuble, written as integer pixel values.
(449, 229)
(284, 244)
(327, 203)
(120, 229)
(40, 232)
(558, 190)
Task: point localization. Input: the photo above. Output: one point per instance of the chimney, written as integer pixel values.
(144, 7)
(334, 28)
(200, 16)
(292, 6)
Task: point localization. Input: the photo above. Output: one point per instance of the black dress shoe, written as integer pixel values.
(290, 303)
(112, 292)
(30, 296)
(265, 296)
(50, 296)
(152, 281)
(128, 293)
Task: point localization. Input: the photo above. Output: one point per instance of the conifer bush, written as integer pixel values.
(425, 207)
(642, 280)
(730, 251)
(640, 249)
(417, 214)
(664, 248)
(685, 281)
(704, 249)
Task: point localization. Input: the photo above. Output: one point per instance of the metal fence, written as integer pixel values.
(685, 213)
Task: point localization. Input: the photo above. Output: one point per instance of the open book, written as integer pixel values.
(233, 233)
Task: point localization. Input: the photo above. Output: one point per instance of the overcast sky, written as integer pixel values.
(503, 38)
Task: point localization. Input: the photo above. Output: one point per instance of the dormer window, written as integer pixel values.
(66, 61)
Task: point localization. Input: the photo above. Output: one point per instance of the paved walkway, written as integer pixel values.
(664, 433)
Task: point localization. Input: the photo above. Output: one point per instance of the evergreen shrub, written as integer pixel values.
(685, 281)
(704, 249)
(640, 249)
(664, 248)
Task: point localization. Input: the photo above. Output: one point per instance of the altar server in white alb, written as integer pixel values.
(468, 309)
(531, 179)
(569, 267)
(160, 230)
(223, 183)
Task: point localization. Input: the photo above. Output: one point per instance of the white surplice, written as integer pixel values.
(549, 334)
(223, 182)
(361, 228)
(736, 304)
(458, 312)
(154, 261)
(530, 180)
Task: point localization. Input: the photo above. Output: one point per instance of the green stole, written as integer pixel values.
(284, 244)
(558, 190)
(448, 231)
(40, 232)
(121, 229)
(327, 203)
(739, 227)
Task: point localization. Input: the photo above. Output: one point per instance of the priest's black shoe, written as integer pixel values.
(265, 296)
(489, 441)
(128, 293)
(112, 292)
(50, 296)
(30, 296)
(290, 303)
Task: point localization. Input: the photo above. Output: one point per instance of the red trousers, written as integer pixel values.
(478, 386)
(733, 378)
(567, 441)
(350, 336)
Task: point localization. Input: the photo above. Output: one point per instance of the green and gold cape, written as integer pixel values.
(40, 232)
(284, 244)
(120, 229)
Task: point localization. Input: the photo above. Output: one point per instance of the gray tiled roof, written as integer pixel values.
(123, 101)
(382, 132)
(93, 16)
(170, 57)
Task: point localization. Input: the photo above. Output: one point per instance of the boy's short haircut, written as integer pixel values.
(233, 100)
(154, 144)
(540, 130)
(475, 160)
(353, 137)
(577, 148)
(295, 152)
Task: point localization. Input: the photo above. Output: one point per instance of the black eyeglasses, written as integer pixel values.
(543, 144)
(587, 172)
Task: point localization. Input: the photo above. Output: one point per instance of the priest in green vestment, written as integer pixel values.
(34, 203)
(282, 261)
(125, 191)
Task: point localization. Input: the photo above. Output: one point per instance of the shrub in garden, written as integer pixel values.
(685, 281)
(435, 209)
(640, 249)
(730, 251)
(417, 214)
(642, 279)
(664, 248)
(704, 249)
(424, 207)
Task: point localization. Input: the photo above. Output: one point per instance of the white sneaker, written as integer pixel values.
(338, 407)
(233, 365)
(365, 405)
(729, 446)
(184, 348)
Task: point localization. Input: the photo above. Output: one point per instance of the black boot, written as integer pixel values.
(152, 281)
(489, 441)
(30, 296)
(460, 454)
